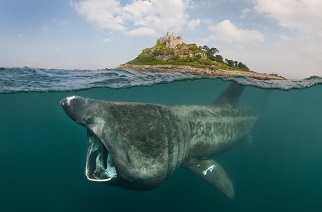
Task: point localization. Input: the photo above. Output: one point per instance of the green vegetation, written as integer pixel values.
(188, 55)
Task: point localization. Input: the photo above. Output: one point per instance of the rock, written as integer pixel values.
(197, 71)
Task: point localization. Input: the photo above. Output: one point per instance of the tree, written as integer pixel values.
(204, 47)
(210, 56)
(213, 54)
(242, 66)
(213, 51)
(210, 52)
(229, 62)
(219, 58)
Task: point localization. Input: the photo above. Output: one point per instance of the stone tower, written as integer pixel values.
(170, 40)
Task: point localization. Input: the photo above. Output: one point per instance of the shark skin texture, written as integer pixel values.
(138, 146)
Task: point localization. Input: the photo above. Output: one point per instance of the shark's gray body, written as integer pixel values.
(138, 146)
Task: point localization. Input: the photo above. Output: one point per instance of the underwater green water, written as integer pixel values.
(42, 155)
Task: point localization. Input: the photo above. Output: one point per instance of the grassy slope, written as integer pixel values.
(184, 54)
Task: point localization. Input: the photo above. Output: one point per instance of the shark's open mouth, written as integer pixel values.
(99, 164)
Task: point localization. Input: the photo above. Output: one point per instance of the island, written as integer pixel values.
(171, 54)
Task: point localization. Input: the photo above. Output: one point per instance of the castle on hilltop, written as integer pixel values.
(170, 40)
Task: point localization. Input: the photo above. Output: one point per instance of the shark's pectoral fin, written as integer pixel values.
(213, 173)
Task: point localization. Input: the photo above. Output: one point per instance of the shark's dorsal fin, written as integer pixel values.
(231, 94)
(213, 173)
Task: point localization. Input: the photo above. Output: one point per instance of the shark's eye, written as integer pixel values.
(88, 120)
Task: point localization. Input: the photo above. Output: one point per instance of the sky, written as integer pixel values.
(276, 36)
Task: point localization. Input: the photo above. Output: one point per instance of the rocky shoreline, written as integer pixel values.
(198, 71)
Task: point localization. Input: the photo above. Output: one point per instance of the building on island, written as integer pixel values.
(170, 40)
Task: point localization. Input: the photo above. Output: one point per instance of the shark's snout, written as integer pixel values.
(73, 107)
(66, 102)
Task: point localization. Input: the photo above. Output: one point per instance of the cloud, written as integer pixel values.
(60, 22)
(142, 31)
(298, 52)
(102, 13)
(228, 32)
(193, 24)
(246, 12)
(45, 28)
(138, 17)
(107, 40)
(292, 57)
(302, 15)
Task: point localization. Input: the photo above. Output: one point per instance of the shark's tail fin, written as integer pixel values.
(213, 173)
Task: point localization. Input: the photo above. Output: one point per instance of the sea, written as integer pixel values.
(42, 151)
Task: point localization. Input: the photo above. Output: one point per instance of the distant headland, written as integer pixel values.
(171, 54)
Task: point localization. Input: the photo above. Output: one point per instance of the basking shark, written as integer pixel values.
(137, 146)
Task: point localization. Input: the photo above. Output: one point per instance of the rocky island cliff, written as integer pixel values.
(171, 54)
